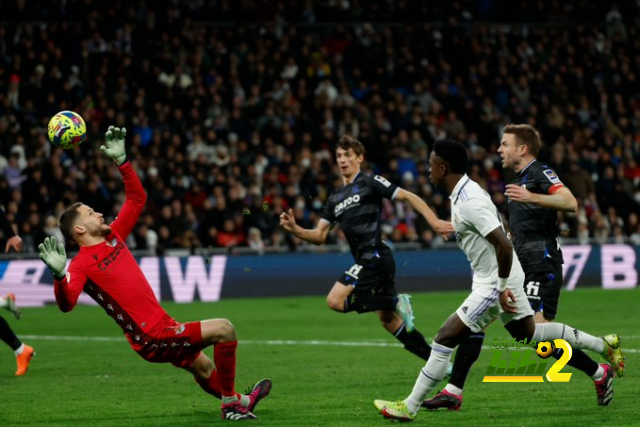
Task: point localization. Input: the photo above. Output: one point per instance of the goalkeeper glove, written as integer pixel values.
(54, 256)
(114, 145)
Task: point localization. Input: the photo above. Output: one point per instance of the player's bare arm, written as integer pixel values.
(14, 243)
(562, 200)
(317, 236)
(504, 253)
(444, 228)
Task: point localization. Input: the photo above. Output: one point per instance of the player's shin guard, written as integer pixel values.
(579, 360)
(224, 357)
(414, 342)
(211, 385)
(575, 338)
(364, 303)
(7, 335)
(430, 375)
(466, 355)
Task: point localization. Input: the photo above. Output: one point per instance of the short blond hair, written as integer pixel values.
(525, 135)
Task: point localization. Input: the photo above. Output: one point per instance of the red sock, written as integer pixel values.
(224, 356)
(211, 385)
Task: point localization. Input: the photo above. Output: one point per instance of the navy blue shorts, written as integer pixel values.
(542, 285)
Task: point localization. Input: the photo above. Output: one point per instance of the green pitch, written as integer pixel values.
(327, 368)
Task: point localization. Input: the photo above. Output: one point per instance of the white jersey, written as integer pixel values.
(474, 216)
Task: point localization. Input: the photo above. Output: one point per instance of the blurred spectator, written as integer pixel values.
(229, 236)
(254, 240)
(225, 119)
(52, 228)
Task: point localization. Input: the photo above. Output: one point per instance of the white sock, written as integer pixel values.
(599, 374)
(229, 399)
(3, 302)
(453, 389)
(19, 351)
(430, 375)
(245, 400)
(575, 338)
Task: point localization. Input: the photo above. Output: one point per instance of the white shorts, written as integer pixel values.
(482, 307)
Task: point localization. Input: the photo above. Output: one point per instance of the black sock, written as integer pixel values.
(466, 355)
(414, 342)
(363, 302)
(579, 360)
(7, 335)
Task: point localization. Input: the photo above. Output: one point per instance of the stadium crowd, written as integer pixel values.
(229, 124)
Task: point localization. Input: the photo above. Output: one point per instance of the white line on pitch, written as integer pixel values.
(254, 342)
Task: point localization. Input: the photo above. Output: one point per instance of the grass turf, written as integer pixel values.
(101, 382)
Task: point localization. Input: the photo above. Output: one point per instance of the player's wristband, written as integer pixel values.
(502, 284)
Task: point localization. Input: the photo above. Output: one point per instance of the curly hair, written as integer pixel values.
(454, 153)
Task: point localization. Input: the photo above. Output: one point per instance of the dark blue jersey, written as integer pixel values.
(534, 229)
(356, 207)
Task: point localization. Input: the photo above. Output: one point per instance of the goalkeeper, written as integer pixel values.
(106, 270)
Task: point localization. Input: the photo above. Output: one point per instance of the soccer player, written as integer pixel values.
(105, 269)
(23, 352)
(368, 285)
(533, 201)
(497, 291)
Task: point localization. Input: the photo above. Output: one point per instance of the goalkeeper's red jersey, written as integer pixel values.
(109, 274)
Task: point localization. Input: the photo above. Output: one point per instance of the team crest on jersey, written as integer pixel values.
(552, 176)
(178, 329)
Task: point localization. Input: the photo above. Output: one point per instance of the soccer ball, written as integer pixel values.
(544, 349)
(67, 130)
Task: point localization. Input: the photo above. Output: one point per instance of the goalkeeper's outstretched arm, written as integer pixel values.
(136, 197)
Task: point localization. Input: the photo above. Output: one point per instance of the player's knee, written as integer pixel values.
(389, 319)
(522, 329)
(445, 339)
(227, 331)
(335, 303)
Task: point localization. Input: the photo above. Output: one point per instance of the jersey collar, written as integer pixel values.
(526, 167)
(354, 178)
(458, 188)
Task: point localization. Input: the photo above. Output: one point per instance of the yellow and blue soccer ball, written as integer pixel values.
(544, 349)
(67, 130)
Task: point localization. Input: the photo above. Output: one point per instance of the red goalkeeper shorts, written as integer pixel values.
(169, 341)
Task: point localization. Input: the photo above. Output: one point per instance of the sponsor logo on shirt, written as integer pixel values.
(347, 203)
(102, 265)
